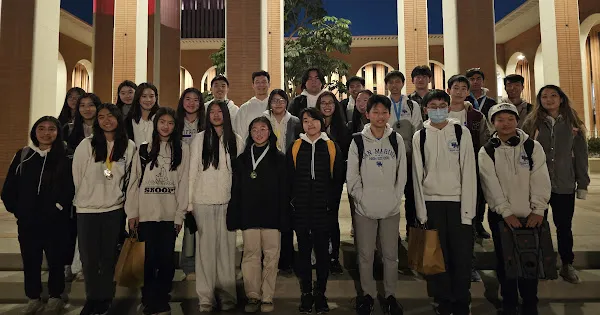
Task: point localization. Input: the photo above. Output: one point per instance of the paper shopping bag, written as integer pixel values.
(425, 252)
(129, 271)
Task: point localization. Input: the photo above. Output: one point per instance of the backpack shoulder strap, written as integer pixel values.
(360, 145)
(491, 151)
(332, 153)
(295, 149)
(422, 136)
(24, 153)
(458, 131)
(394, 142)
(410, 105)
(528, 145)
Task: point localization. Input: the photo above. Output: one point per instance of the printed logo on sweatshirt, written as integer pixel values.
(161, 184)
(379, 155)
(523, 160)
(453, 146)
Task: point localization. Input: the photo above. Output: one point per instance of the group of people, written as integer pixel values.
(274, 167)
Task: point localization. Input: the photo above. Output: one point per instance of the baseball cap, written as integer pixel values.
(502, 107)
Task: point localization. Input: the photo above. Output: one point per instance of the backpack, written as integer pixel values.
(358, 139)
(330, 148)
(144, 159)
(528, 145)
(24, 153)
(457, 130)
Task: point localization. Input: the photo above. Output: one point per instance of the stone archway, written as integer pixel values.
(206, 78)
(374, 74)
(185, 79)
(589, 64)
(438, 81)
(519, 64)
(82, 75)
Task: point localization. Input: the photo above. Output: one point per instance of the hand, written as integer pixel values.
(513, 221)
(534, 220)
(133, 223)
(177, 229)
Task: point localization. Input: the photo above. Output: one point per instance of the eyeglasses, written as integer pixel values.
(443, 106)
(259, 131)
(327, 104)
(278, 101)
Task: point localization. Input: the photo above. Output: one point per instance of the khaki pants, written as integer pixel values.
(215, 255)
(260, 279)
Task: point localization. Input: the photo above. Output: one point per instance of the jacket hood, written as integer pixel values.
(427, 124)
(323, 136)
(42, 153)
(507, 100)
(522, 135)
(369, 134)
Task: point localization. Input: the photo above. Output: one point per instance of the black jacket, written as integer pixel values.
(298, 104)
(315, 202)
(261, 202)
(341, 135)
(344, 104)
(33, 198)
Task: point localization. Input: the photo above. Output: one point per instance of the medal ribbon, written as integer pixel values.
(109, 161)
(255, 162)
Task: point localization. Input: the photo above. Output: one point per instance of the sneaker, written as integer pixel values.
(33, 306)
(102, 307)
(306, 303)
(205, 308)
(475, 277)
(267, 307)
(190, 277)
(335, 267)
(253, 306)
(54, 306)
(321, 306)
(88, 308)
(392, 306)
(364, 305)
(481, 232)
(227, 306)
(69, 276)
(570, 274)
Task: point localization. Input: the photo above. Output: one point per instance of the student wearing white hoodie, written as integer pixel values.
(377, 184)
(101, 165)
(210, 176)
(139, 119)
(254, 107)
(515, 187)
(157, 200)
(313, 82)
(444, 174)
(219, 87)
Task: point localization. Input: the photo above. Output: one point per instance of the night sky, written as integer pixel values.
(369, 17)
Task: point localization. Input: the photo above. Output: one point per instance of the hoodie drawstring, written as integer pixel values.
(41, 173)
(312, 161)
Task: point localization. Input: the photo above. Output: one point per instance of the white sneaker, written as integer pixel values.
(570, 274)
(54, 306)
(33, 306)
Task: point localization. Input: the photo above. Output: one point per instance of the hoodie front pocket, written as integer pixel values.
(379, 201)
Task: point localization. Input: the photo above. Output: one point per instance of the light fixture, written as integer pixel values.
(521, 57)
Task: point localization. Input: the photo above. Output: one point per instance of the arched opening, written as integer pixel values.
(61, 83)
(206, 78)
(185, 80)
(519, 64)
(590, 61)
(500, 82)
(438, 81)
(82, 74)
(538, 69)
(374, 73)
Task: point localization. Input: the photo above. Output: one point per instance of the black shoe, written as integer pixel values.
(335, 267)
(443, 308)
(306, 303)
(475, 277)
(88, 307)
(364, 305)
(391, 306)
(102, 307)
(481, 232)
(321, 306)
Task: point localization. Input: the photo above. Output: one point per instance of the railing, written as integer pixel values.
(202, 18)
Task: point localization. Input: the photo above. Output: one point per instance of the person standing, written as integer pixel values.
(313, 82)
(67, 113)
(139, 119)
(125, 95)
(557, 127)
(219, 87)
(255, 106)
(157, 200)
(421, 78)
(211, 155)
(376, 177)
(38, 191)
(259, 207)
(478, 96)
(101, 166)
(316, 172)
(517, 185)
(354, 85)
(444, 173)
(514, 85)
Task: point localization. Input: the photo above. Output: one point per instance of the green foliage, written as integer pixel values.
(594, 147)
(218, 59)
(207, 96)
(300, 13)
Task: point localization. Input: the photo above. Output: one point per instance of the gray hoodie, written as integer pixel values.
(378, 186)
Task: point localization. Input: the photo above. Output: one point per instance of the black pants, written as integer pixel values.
(35, 239)
(510, 288)
(307, 240)
(335, 236)
(98, 235)
(159, 266)
(409, 202)
(451, 288)
(480, 206)
(72, 240)
(563, 208)
(286, 258)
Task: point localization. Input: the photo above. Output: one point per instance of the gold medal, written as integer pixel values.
(253, 175)
(108, 174)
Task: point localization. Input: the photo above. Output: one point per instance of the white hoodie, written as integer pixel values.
(508, 185)
(211, 186)
(94, 193)
(248, 111)
(233, 109)
(378, 186)
(449, 173)
(311, 100)
(279, 128)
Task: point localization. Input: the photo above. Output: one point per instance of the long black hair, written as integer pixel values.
(281, 93)
(211, 145)
(78, 134)
(57, 153)
(99, 145)
(356, 115)
(135, 112)
(181, 110)
(337, 121)
(123, 84)
(65, 115)
(272, 141)
(174, 140)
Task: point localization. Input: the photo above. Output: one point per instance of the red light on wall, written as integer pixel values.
(151, 7)
(106, 7)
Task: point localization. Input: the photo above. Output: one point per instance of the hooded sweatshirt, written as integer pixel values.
(142, 131)
(248, 111)
(449, 173)
(378, 186)
(233, 109)
(163, 194)
(94, 193)
(286, 130)
(190, 130)
(523, 107)
(311, 100)
(508, 185)
(211, 186)
(410, 121)
(475, 121)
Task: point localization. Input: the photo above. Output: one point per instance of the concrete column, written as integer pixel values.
(470, 39)
(29, 52)
(559, 27)
(102, 52)
(413, 49)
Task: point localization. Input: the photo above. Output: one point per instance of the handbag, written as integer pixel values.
(425, 252)
(129, 271)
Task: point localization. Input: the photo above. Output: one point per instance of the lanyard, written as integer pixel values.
(397, 107)
(255, 162)
(476, 102)
(109, 161)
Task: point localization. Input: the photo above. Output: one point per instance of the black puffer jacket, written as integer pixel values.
(314, 191)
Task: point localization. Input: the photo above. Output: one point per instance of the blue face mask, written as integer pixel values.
(437, 115)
